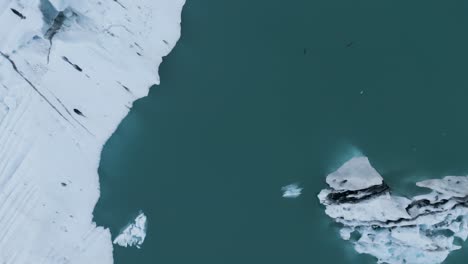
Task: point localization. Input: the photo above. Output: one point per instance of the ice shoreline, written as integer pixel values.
(70, 71)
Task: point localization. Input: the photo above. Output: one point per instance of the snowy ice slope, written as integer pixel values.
(69, 72)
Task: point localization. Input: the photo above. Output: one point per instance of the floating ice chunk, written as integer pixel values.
(355, 174)
(345, 233)
(291, 190)
(392, 228)
(134, 234)
(456, 186)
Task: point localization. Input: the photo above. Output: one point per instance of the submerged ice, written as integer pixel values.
(134, 234)
(420, 230)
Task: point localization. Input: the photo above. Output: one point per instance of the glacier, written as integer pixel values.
(70, 71)
(422, 229)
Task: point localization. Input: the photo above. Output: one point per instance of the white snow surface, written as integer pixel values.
(449, 185)
(355, 174)
(134, 234)
(395, 229)
(291, 190)
(69, 73)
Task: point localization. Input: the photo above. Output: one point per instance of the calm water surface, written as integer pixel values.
(260, 94)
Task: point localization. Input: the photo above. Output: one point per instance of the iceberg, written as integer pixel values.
(291, 190)
(70, 71)
(134, 234)
(420, 230)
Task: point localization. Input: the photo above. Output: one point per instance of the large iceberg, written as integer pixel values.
(420, 230)
(69, 73)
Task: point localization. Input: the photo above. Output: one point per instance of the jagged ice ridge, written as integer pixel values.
(133, 234)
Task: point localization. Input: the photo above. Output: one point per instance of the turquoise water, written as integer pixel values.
(260, 94)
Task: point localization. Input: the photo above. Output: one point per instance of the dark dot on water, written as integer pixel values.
(64, 184)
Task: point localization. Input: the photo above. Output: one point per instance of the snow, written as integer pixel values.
(356, 174)
(134, 234)
(69, 73)
(456, 186)
(393, 228)
(291, 190)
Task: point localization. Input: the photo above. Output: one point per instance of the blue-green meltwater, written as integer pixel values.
(258, 95)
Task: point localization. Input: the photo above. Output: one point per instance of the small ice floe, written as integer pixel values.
(291, 190)
(134, 234)
(10, 102)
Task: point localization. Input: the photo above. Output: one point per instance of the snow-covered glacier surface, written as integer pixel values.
(69, 73)
(134, 234)
(420, 230)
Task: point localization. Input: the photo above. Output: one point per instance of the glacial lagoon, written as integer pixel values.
(261, 94)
